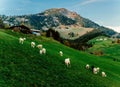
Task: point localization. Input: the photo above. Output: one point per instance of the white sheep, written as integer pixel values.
(39, 46)
(24, 38)
(32, 44)
(67, 61)
(101, 39)
(43, 50)
(61, 53)
(103, 74)
(95, 71)
(105, 38)
(98, 69)
(87, 66)
(97, 39)
(21, 40)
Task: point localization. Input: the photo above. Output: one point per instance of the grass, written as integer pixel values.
(23, 66)
(111, 50)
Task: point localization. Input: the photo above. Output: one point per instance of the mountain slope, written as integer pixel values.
(23, 66)
(58, 18)
(90, 24)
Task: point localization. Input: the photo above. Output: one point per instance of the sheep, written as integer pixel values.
(40, 51)
(67, 61)
(105, 38)
(103, 74)
(87, 66)
(24, 38)
(32, 44)
(43, 51)
(61, 53)
(98, 69)
(95, 71)
(101, 39)
(97, 39)
(39, 46)
(21, 40)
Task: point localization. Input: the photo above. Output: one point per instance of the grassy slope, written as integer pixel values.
(80, 31)
(23, 66)
(111, 50)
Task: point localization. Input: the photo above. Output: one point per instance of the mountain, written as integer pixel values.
(23, 66)
(57, 18)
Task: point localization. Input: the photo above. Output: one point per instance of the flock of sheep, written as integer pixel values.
(43, 50)
(39, 46)
(96, 70)
(67, 60)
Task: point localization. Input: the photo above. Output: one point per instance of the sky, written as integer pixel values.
(104, 12)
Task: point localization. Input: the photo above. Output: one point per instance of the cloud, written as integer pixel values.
(88, 2)
(76, 7)
(116, 28)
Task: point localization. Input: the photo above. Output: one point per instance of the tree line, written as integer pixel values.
(80, 43)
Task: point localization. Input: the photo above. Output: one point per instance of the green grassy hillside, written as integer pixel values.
(23, 66)
(110, 50)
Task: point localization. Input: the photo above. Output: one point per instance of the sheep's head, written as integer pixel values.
(24, 38)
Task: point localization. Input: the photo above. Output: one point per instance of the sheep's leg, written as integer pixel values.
(22, 42)
(19, 41)
(69, 64)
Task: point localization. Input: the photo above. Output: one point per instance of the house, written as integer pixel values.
(22, 29)
(36, 32)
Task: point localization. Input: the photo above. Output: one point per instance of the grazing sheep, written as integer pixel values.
(40, 51)
(97, 39)
(43, 51)
(95, 71)
(105, 38)
(61, 53)
(24, 38)
(101, 39)
(103, 74)
(87, 66)
(21, 40)
(32, 44)
(67, 61)
(98, 69)
(39, 46)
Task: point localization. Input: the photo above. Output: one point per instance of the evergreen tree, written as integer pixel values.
(1, 23)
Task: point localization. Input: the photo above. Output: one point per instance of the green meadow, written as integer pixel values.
(23, 66)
